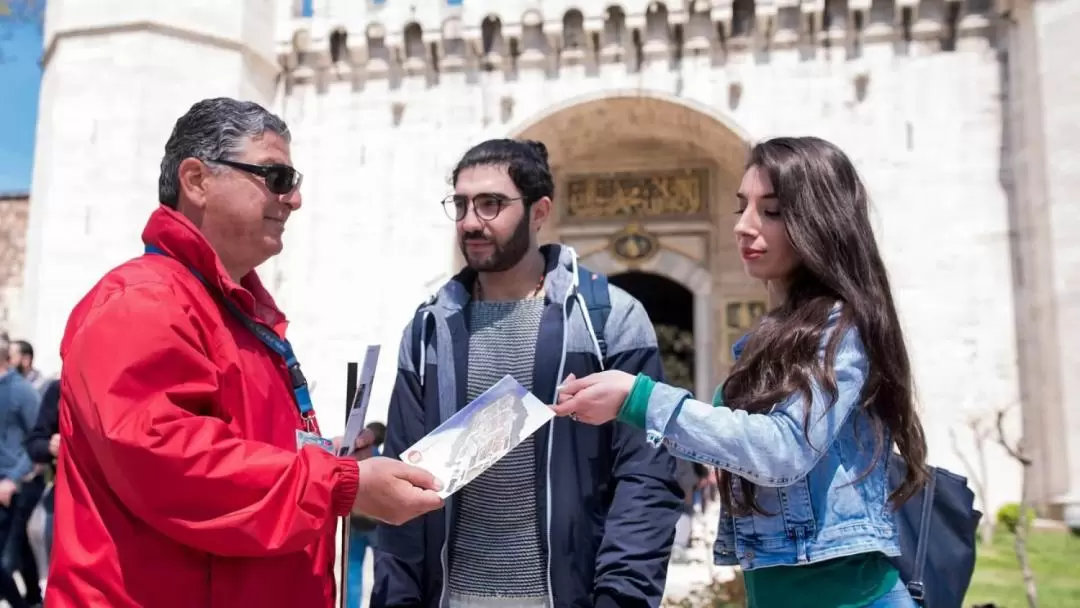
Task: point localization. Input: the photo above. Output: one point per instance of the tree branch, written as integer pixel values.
(1018, 452)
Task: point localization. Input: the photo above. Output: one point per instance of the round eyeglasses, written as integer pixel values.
(486, 205)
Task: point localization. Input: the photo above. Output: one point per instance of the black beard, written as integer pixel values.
(503, 256)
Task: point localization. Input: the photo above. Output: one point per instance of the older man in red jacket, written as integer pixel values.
(192, 471)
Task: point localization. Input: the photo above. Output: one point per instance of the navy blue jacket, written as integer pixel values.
(607, 500)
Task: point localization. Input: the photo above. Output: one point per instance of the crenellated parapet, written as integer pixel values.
(363, 40)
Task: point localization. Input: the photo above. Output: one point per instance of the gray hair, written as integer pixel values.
(5, 347)
(212, 128)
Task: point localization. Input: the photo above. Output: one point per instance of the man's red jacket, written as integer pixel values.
(179, 483)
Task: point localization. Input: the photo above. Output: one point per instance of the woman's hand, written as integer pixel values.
(594, 399)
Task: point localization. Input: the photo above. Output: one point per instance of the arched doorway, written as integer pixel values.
(645, 168)
(670, 306)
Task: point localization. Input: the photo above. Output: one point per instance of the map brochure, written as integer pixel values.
(354, 425)
(479, 435)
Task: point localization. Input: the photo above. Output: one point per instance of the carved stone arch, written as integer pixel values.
(534, 45)
(378, 51)
(742, 18)
(453, 45)
(339, 45)
(574, 37)
(491, 40)
(415, 53)
(700, 32)
(713, 122)
(615, 26)
(657, 26)
(667, 263)
(694, 252)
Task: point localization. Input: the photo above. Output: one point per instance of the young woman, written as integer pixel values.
(820, 392)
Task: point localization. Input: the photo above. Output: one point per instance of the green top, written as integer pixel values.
(844, 582)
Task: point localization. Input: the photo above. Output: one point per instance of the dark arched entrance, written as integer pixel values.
(671, 308)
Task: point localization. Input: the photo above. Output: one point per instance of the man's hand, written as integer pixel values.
(364, 447)
(7, 491)
(394, 492)
(54, 445)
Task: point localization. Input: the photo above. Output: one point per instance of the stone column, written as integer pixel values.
(1050, 110)
(116, 77)
(704, 383)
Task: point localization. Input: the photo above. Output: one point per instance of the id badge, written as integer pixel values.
(305, 438)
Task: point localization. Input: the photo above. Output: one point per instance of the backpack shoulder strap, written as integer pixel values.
(594, 289)
(419, 338)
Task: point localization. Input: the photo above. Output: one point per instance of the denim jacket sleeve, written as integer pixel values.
(768, 449)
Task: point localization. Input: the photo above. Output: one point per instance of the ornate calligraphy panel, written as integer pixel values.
(680, 194)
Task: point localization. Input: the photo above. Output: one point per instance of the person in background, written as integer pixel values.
(22, 358)
(191, 469)
(20, 485)
(361, 530)
(43, 445)
(684, 526)
(821, 392)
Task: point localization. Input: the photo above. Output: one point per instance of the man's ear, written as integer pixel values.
(193, 180)
(541, 211)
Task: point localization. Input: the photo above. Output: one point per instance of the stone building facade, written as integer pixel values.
(647, 109)
(14, 209)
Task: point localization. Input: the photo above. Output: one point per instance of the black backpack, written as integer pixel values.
(938, 528)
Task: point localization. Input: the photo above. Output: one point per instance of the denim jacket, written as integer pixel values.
(820, 511)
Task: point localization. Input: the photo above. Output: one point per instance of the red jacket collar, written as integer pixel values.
(173, 233)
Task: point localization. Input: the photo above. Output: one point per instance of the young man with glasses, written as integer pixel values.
(574, 515)
(191, 470)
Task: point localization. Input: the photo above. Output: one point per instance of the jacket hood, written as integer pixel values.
(560, 280)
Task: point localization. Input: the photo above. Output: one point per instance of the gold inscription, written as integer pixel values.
(676, 193)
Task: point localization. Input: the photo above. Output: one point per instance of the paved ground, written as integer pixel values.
(682, 577)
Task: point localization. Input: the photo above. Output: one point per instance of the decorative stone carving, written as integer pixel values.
(657, 33)
(679, 194)
(642, 34)
(788, 24)
(378, 64)
(614, 39)
(453, 46)
(534, 46)
(493, 45)
(573, 39)
(834, 22)
(699, 31)
(880, 26)
(633, 245)
(415, 53)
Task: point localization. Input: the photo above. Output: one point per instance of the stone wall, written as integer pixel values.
(13, 218)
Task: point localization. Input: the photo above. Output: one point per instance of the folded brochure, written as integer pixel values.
(354, 425)
(479, 435)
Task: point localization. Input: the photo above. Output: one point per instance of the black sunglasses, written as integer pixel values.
(486, 205)
(280, 179)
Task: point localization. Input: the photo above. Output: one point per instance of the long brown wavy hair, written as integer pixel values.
(825, 210)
